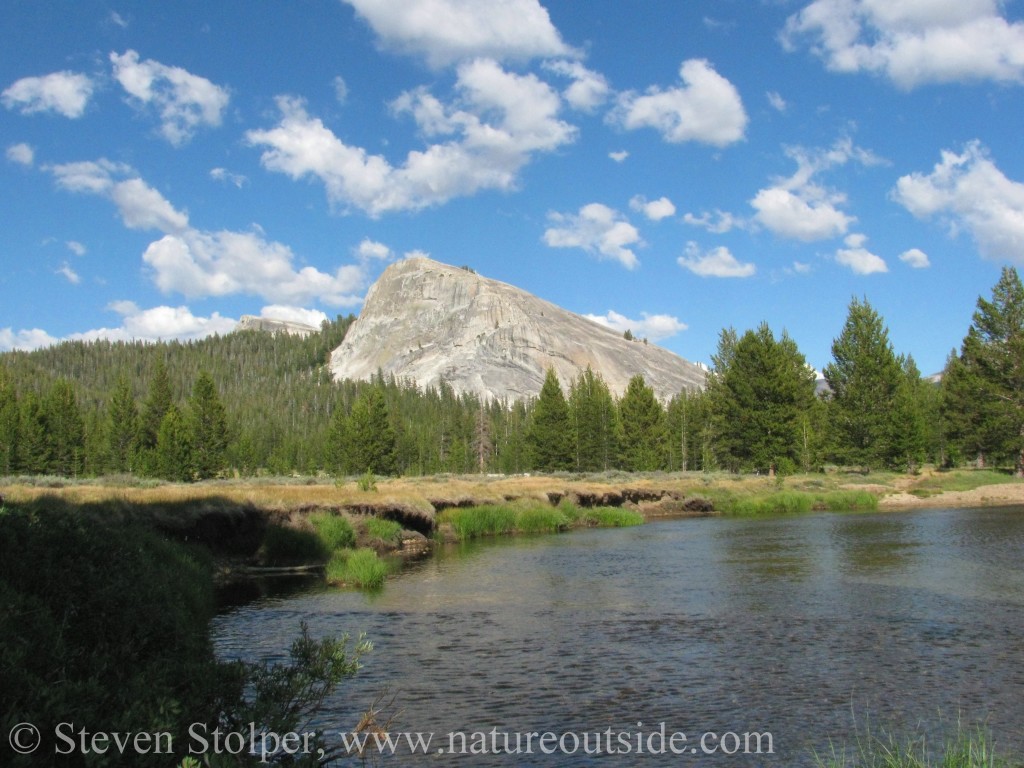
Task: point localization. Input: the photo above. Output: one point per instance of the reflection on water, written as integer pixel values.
(801, 626)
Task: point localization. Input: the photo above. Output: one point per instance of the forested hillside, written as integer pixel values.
(252, 403)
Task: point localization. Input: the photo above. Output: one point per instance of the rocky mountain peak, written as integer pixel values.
(431, 322)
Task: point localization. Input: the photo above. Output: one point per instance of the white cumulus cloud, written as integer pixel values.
(718, 262)
(26, 339)
(447, 31)
(798, 207)
(498, 121)
(913, 42)
(597, 229)
(858, 258)
(717, 223)
(654, 327)
(22, 154)
(970, 192)
(706, 108)
(589, 89)
(66, 93)
(915, 258)
(198, 263)
(184, 101)
(655, 210)
(312, 317)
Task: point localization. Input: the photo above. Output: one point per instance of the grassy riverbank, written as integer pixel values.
(965, 748)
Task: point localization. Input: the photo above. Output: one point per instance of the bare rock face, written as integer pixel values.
(274, 326)
(430, 322)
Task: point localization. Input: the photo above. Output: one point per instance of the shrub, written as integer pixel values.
(367, 482)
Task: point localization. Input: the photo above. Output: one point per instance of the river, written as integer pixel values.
(811, 628)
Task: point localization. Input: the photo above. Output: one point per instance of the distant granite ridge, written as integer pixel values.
(430, 322)
(271, 325)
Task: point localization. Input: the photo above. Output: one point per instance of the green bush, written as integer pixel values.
(334, 532)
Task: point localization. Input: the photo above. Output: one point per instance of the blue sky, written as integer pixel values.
(671, 167)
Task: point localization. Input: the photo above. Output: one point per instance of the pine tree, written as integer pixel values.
(65, 430)
(909, 426)
(594, 420)
(123, 426)
(865, 377)
(33, 444)
(549, 435)
(371, 436)
(642, 421)
(759, 398)
(10, 419)
(208, 425)
(173, 452)
(155, 408)
(987, 383)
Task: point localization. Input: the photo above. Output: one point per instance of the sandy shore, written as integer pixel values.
(1002, 494)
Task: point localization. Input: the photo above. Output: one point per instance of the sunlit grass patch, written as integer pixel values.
(384, 531)
(334, 531)
(613, 517)
(538, 519)
(359, 567)
(485, 520)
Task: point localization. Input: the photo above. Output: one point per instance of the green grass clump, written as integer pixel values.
(386, 531)
(613, 517)
(485, 520)
(335, 532)
(360, 567)
(540, 520)
(788, 502)
(967, 749)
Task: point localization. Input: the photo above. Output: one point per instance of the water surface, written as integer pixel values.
(810, 628)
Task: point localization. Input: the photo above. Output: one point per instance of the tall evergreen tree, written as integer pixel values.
(987, 382)
(173, 451)
(642, 420)
(549, 435)
(157, 404)
(909, 425)
(65, 430)
(123, 426)
(371, 437)
(208, 425)
(33, 443)
(10, 418)
(864, 377)
(594, 420)
(759, 400)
